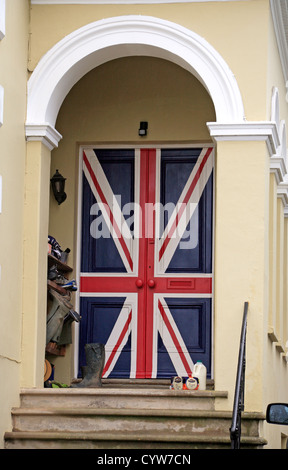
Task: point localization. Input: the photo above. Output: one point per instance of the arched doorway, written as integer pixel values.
(91, 46)
(103, 107)
(112, 38)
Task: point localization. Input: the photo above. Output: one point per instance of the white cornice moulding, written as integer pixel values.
(282, 193)
(278, 167)
(247, 130)
(43, 133)
(278, 161)
(2, 19)
(275, 137)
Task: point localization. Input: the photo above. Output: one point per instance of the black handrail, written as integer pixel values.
(238, 407)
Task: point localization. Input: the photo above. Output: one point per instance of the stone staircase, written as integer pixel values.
(127, 416)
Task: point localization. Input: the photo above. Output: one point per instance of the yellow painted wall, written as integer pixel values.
(35, 230)
(275, 345)
(241, 263)
(13, 77)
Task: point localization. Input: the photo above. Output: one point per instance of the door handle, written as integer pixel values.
(139, 283)
(151, 283)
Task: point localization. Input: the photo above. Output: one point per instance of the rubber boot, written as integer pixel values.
(95, 359)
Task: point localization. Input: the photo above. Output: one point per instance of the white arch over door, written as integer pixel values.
(96, 43)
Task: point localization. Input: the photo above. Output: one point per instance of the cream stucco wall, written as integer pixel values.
(275, 345)
(241, 263)
(13, 78)
(35, 230)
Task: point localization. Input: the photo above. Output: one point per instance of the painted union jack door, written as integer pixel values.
(146, 259)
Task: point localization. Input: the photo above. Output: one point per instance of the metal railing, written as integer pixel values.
(238, 407)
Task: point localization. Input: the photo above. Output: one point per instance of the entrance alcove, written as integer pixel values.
(54, 95)
(105, 108)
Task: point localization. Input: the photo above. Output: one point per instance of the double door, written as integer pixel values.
(146, 259)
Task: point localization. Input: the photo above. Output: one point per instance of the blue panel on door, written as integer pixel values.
(99, 315)
(176, 166)
(99, 252)
(118, 166)
(194, 252)
(193, 319)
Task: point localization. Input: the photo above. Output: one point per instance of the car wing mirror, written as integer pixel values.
(277, 413)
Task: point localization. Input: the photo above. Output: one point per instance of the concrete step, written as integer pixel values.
(126, 418)
(143, 383)
(124, 440)
(174, 422)
(120, 398)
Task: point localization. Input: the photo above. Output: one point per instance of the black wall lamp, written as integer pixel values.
(58, 186)
(143, 128)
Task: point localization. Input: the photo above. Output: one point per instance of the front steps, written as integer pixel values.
(125, 418)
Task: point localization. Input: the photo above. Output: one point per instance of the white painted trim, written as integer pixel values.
(2, 19)
(77, 264)
(279, 168)
(275, 107)
(278, 162)
(96, 43)
(44, 133)
(1, 105)
(128, 145)
(282, 193)
(253, 130)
